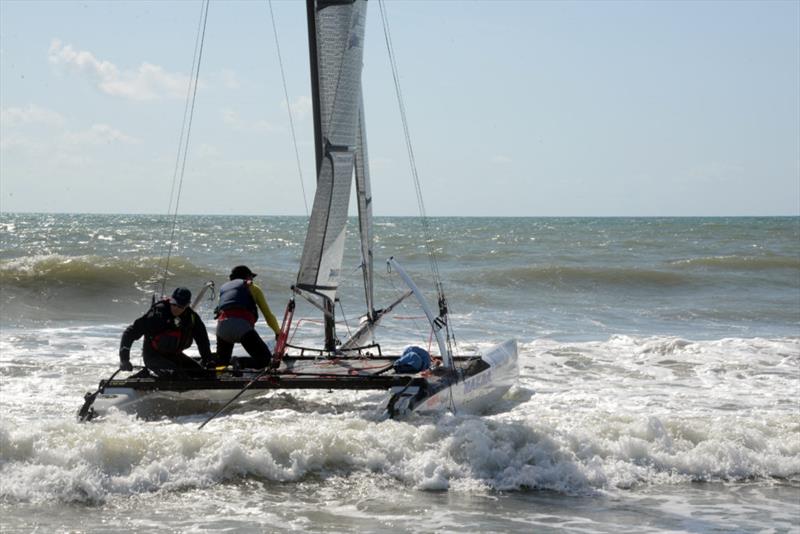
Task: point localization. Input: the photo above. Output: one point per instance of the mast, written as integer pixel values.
(328, 305)
(313, 64)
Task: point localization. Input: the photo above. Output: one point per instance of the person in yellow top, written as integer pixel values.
(237, 313)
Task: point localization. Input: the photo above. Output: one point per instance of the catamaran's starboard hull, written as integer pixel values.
(476, 387)
(475, 391)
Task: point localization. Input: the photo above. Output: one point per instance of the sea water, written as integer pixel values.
(659, 381)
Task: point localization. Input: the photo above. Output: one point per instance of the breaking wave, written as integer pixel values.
(39, 289)
(56, 270)
(90, 463)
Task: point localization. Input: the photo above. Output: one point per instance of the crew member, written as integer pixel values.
(168, 328)
(237, 313)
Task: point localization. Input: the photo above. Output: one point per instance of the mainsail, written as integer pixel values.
(336, 30)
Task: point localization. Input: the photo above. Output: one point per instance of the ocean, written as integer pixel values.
(659, 384)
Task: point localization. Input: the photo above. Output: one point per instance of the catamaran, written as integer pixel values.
(454, 382)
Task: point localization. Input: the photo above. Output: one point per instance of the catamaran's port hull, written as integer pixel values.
(479, 383)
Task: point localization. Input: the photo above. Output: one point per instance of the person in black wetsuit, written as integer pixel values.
(168, 327)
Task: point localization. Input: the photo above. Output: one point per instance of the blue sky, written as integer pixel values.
(519, 108)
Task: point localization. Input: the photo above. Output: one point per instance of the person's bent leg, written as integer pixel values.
(224, 351)
(157, 363)
(260, 355)
(188, 365)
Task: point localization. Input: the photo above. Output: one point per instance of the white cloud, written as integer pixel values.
(235, 121)
(501, 159)
(32, 114)
(99, 134)
(18, 136)
(20, 143)
(147, 82)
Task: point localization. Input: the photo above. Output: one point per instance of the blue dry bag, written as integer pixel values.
(413, 360)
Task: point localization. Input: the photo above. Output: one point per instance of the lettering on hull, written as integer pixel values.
(477, 381)
(433, 403)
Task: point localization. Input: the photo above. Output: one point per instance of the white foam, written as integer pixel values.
(586, 417)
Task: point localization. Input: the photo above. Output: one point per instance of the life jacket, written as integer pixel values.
(235, 300)
(172, 339)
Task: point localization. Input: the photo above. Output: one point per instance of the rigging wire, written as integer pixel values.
(344, 318)
(183, 143)
(434, 265)
(161, 254)
(288, 106)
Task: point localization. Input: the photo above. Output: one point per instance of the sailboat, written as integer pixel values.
(458, 383)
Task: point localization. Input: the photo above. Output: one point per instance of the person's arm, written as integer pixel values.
(131, 334)
(261, 301)
(200, 335)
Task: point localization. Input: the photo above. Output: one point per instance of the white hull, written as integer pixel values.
(475, 389)
(475, 394)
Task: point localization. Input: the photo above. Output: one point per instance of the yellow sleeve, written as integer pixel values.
(261, 302)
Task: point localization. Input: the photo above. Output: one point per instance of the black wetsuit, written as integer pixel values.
(165, 338)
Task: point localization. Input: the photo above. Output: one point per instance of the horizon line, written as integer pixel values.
(2, 212)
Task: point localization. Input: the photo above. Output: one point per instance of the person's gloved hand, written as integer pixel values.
(125, 359)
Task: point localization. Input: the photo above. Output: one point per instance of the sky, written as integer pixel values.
(515, 108)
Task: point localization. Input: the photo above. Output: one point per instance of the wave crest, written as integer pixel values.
(559, 274)
(89, 271)
(740, 263)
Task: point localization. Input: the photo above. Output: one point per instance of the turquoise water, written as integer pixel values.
(659, 381)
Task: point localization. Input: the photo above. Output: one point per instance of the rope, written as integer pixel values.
(434, 265)
(288, 106)
(183, 143)
(344, 318)
(342, 281)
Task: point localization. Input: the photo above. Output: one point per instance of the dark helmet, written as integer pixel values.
(241, 271)
(181, 297)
